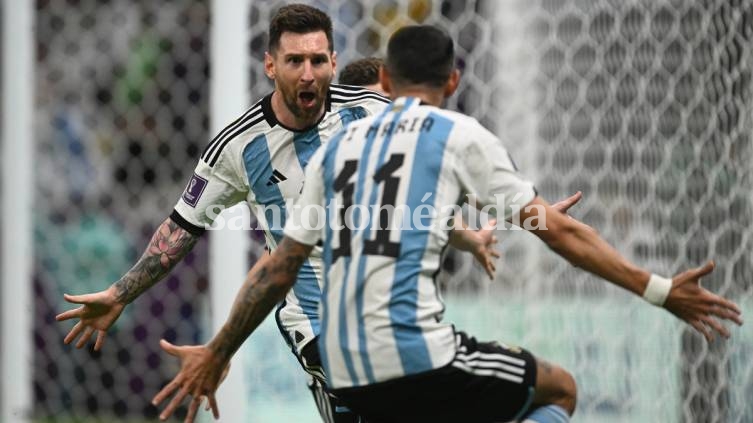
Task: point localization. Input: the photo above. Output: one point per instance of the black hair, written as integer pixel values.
(361, 72)
(420, 54)
(300, 19)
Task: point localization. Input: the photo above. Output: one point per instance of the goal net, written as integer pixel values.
(644, 106)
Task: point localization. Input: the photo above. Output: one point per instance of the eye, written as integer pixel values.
(319, 60)
(295, 59)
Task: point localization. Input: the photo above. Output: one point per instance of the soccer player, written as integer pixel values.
(383, 345)
(363, 73)
(260, 158)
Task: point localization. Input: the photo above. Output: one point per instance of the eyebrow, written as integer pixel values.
(312, 55)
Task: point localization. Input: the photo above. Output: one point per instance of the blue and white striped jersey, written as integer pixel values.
(381, 309)
(258, 160)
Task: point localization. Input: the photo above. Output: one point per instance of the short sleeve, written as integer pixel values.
(307, 219)
(210, 190)
(489, 177)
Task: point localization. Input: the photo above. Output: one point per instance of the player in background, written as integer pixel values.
(260, 159)
(363, 73)
(387, 354)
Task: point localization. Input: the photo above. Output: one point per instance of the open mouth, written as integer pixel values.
(307, 98)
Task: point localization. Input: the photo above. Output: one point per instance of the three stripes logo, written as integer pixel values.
(276, 178)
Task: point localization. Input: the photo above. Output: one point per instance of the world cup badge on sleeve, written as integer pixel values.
(194, 189)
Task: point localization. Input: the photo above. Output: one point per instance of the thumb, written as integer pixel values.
(79, 299)
(169, 348)
(703, 270)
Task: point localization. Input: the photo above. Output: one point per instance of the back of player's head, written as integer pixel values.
(300, 19)
(420, 54)
(361, 72)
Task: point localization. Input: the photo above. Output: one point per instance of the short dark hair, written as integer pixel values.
(361, 72)
(301, 19)
(420, 54)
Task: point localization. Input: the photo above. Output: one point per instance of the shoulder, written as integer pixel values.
(345, 96)
(237, 134)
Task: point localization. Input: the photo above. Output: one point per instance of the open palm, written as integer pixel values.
(98, 312)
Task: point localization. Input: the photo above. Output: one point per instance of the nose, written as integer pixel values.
(308, 72)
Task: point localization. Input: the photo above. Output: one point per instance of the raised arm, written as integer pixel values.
(682, 296)
(99, 310)
(201, 366)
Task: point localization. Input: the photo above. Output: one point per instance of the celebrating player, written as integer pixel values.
(385, 350)
(260, 158)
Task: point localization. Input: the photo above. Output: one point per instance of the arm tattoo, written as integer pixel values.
(264, 287)
(169, 244)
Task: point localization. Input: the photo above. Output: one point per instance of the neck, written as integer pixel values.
(287, 118)
(432, 96)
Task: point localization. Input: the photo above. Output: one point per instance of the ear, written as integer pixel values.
(452, 83)
(333, 57)
(269, 65)
(384, 79)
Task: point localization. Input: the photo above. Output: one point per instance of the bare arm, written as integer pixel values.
(266, 284)
(201, 366)
(583, 247)
(99, 310)
(169, 244)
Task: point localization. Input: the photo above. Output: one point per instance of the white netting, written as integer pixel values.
(643, 105)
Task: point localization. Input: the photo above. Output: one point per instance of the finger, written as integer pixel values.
(494, 240)
(214, 406)
(174, 404)
(78, 299)
(729, 305)
(491, 224)
(85, 337)
(702, 271)
(100, 340)
(169, 348)
(570, 201)
(70, 314)
(714, 324)
(724, 312)
(703, 330)
(495, 253)
(489, 271)
(166, 391)
(193, 408)
(73, 333)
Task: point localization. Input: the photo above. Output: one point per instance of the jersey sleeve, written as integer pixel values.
(306, 221)
(210, 190)
(489, 177)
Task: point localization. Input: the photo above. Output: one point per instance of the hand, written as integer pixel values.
(483, 249)
(98, 312)
(700, 308)
(201, 373)
(564, 205)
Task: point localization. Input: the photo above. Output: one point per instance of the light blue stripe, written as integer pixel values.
(427, 166)
(306, 144)
(329, 183)
(360, 282)
(259, 169)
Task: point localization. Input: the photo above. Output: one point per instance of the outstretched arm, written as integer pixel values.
(584, 248)
(201, 366)
(99, 310)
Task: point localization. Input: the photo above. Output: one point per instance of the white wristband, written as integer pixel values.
(657, 290)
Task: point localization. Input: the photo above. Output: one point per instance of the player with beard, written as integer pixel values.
(259, 158)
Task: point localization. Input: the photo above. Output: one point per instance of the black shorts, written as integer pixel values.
(485, 382)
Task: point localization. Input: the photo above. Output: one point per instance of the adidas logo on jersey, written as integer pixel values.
(276, 177)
